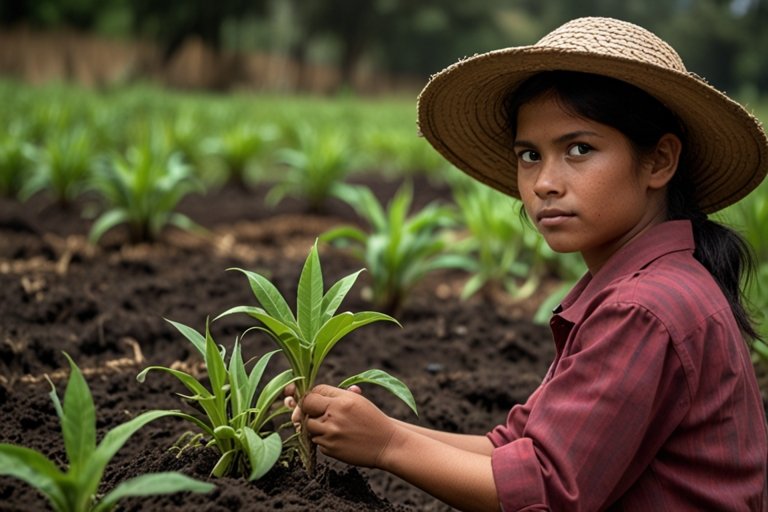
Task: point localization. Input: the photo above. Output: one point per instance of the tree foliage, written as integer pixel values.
(722, 40)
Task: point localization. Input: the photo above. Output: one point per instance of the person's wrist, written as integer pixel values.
(389, 452)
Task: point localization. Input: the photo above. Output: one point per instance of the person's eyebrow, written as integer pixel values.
(566, 137)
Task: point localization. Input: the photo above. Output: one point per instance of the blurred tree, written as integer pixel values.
(723, 40)
(170, 22)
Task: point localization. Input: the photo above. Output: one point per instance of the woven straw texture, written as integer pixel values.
(460, 111)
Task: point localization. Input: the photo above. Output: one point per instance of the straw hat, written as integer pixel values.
(460, 111)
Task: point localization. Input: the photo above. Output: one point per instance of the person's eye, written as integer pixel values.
(528, 156)
(580, 149)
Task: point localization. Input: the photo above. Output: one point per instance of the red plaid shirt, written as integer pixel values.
(651, 403)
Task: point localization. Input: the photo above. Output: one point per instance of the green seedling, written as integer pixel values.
(235, 417)
(315, 168)
(307, 337)
(75, 490)
(240, 146)
(61, 166)
(142, 189)
(398, 250)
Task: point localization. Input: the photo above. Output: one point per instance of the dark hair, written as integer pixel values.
(644, 120)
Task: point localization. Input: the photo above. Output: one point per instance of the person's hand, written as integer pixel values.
(290, 402)
(345, 425)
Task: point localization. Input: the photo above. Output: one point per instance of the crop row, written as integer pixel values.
(137, 152)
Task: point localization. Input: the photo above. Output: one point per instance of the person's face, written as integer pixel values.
(580, 182)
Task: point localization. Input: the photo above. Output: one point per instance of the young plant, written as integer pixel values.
(315, 169)
(75, 490)
(496, 251)
(239, 146)
(142, 189)
(307, 337)
(14, 162)
(61, 166)
(400, 249)
(235, 417)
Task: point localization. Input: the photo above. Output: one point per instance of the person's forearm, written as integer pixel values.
(472, 443)
(460, 478)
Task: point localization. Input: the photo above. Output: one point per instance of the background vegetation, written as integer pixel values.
(722, 40)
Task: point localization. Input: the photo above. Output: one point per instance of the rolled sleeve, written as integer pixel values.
(517, 475)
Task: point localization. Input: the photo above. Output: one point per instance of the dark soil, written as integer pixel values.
(466, 362)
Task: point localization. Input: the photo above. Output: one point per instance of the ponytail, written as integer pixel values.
(720, 249)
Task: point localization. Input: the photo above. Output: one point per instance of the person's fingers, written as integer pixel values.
(289, 390)
(296, 416)
(315, 402)
(355, 389)
(290, 402)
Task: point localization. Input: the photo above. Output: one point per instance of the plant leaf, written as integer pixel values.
(338, 327)
(217, 374)
(112, 442)
(335, 295)
(387, 381)
(238, 395)
(197, 339)
(270, 392)
(35, 469)
(255, 377)
(310, 295)
(269, 297)
(107, 221)
(224, 463)
(262, 452)
(78, 421)
(151, 484)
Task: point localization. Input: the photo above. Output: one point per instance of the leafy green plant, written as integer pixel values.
(61, 166)
(75, 490)
(497, 250)
(14, 162)
(307, 337)
(399, 250)
(316, 168)
(238, 147)
(142, 189)
(235, 417)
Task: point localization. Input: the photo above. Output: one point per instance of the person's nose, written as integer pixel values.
(549, 180)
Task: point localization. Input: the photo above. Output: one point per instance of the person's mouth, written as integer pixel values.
(550, 217)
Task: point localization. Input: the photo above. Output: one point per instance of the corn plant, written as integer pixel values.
(235, 418)
(75, 489)
(497, 251)
(61, 166)
(315, 169)
(307, 337)
(142, 189)
(398, 250)
(239, 146)
(14, 162)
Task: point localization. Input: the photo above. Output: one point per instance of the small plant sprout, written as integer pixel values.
(307, 338)
(75, 490)
(315, 169)
(142, 189)
(398, 249)
(235, 416)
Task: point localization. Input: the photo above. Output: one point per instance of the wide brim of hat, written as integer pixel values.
(461, 113)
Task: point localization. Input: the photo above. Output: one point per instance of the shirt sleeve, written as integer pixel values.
(614, 396)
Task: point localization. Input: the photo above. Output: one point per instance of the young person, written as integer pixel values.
(651, 403)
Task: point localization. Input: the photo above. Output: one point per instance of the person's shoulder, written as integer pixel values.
(676, 289)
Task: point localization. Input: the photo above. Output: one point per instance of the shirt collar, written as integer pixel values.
(660, 240)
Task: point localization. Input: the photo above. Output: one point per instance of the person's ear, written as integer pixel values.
(663, 160)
